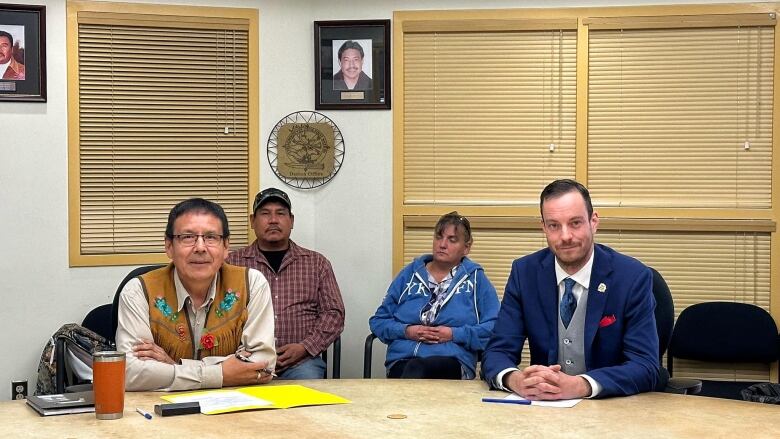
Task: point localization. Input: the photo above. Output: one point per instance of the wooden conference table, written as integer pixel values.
(432, 408)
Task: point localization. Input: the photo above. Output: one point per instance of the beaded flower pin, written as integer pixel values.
(230, 299)
(164, 308)
(208, 341)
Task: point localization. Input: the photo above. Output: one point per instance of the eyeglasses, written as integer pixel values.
(190, 239)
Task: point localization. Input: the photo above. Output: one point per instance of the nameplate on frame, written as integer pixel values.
(352, 95)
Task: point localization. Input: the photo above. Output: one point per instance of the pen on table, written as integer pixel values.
(146, 415)
(507, 401)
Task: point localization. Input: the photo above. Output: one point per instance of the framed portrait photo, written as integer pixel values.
(352, 64)
(22, 53)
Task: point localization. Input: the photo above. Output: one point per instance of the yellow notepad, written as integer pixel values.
(213, 402)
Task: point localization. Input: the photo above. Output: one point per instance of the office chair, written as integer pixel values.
(99, 321)
(336, 368)
(664, 311)
(115, 304)
(727, 332)
(664, 322)
(368, 352)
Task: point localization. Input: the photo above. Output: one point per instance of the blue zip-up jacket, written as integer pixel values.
(471, 312)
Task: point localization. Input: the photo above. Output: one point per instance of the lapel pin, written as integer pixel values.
(602, 288)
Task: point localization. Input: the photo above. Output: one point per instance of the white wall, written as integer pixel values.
(348, 220)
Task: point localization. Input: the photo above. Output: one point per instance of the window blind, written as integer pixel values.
(162, 116)
(488, 116)
(681, 117)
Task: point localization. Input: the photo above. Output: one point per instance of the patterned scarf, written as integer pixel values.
(439, 297)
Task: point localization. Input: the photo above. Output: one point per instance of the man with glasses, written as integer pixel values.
(198, 322)
(307, 302)
(586, 310)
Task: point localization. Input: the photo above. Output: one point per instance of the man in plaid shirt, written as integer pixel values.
(308, 310)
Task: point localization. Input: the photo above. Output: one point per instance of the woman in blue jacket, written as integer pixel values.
(439, 311)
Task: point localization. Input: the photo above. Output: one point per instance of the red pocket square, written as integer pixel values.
(607, 320)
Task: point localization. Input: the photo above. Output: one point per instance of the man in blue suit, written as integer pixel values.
(586, 310)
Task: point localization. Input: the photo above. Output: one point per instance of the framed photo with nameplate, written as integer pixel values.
(352, 65)
(22, 53)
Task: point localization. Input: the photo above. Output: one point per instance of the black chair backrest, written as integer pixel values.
(98, 321)
(368, 353)
(336, 367)
(115, 305)
(664, 311)
(725, 332)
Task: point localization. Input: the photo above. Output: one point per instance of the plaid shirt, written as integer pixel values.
(307, 302)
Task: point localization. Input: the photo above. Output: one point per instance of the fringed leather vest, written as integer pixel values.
(225, 318)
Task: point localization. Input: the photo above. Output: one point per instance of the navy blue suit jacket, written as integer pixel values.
(621, 354)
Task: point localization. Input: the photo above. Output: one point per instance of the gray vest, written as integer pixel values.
(571, 341)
